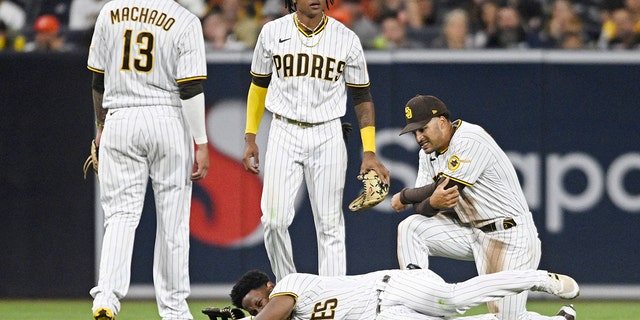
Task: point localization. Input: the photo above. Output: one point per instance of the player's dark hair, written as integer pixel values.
(253, 279)
(292, 6)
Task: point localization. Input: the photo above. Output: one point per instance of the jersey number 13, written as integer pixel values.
(144, 60)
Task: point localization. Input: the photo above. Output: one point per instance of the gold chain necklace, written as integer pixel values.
(304, 39)
(304, 25)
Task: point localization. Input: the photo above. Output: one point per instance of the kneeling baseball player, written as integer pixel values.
(388, 294)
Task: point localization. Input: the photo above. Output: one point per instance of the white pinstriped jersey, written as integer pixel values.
(475, 160)
(144, 48)
(337, 297)
(398, 294)
(309, 73)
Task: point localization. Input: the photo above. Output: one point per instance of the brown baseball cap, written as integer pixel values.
(420, 109)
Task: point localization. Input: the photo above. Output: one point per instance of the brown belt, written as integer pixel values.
(296, 122)
(506, 224)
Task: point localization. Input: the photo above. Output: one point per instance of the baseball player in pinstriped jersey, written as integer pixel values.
(149, 63)
(302, 65)
(470, 203)
(386, 294)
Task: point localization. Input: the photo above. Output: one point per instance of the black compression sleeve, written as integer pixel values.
(361, 95)
(190, 89)
(425, 209)
(97, 82)
(261, 81)
(415, 195)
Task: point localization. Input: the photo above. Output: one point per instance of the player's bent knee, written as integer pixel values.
(407, 226)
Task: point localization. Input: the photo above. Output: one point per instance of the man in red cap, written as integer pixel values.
(47, 36)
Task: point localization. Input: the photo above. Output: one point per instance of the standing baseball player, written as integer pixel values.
(469, 202)
(302, 65)
(148, 63)
(389, 294)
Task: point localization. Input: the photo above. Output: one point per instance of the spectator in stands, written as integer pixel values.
(510, 33)
(531, 13)
(388, 8)
(626, 35)
(47, 36)
(13, 15)
(9, 39)
(241, 17)
(487, 24)
(561, 22)
(217, 33)
(455, 32)
(361, 24)
(572, 41)
(608, 27)
(423, 23)
(393, 35)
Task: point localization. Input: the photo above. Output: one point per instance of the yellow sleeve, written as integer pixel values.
(255, 107)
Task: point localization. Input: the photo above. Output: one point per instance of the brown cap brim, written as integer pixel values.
(414, 126)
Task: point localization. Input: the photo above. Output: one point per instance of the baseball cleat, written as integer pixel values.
(568, 312)
(103, 314)
(562, 286)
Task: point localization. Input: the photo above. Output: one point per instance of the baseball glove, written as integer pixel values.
(92, 160)
(225, 313)
(374, 191)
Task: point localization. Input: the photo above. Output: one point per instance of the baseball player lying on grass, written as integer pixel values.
(388, 294)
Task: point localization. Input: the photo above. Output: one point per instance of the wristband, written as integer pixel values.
(368, 135)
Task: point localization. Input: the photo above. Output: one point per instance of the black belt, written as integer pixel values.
(506, 224)
(296, 122)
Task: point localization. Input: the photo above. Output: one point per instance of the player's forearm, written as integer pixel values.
(101, 113)
(366, 114)
(97, 86)
(416, 195)
(424, 208)
(366, 120)
(193, 111)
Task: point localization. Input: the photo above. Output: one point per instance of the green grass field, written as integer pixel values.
(145, 310)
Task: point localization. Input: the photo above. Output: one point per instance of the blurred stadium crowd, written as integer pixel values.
(67, 25)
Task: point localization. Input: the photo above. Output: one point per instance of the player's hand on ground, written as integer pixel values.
(370, 161)
(396, 204)
(201, 163)
(250, 158)
(444, 198)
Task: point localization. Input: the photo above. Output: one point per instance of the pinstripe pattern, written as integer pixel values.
(309, 98)
(493, 192)
(318, 156)
(310, 75)
(414, 294)
(146, 137)
(176, 55)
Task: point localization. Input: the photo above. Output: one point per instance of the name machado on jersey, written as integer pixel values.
(144, 15)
